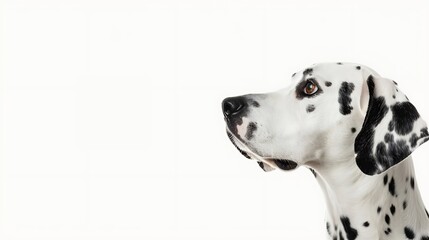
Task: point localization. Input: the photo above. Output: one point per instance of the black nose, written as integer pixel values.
(233, 105)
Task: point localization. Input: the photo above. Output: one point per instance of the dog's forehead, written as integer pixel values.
(336, 72)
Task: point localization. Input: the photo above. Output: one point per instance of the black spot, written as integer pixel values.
(353, 130)
(382, 155)
(341, 236)
(310, 108)
(285, 164)
(412, 182)
(314, 172)
(378, 209)
(377, 109)
(388, 137)
(358, 67)
(351, 233)
(404, 116)
(427, 214)
(409, 233)
(366, 224)
(391, 126)
(328, 84)
(387, 219)
(424, 132)
(299, 90)
(394, 96)
(261, 164)
(395, 83)
(335, 238)
(293, 75)
(385, 179)
(344, 97)
(335, 227)
(255, 103)
(241, 151)
(387, 231)
(251, 128)
(404, 205)
(424, 238)
(413, 140)
(398, 151)
(424, 140)
(307, 71)
(328, 228)
(339, 63)
(392, 209)
(392, 186)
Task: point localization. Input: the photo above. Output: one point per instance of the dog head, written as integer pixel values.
(330, 112)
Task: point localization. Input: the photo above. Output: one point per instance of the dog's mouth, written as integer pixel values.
(283, 164)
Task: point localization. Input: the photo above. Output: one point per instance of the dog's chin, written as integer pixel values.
(283, 164)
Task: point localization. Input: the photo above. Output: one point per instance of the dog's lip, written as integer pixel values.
(283, 164)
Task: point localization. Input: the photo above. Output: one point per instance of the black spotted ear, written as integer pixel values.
(392, 128)
(265, 166)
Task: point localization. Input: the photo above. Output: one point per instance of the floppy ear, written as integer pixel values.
(392, 128)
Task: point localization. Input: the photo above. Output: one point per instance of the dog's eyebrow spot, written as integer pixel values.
(344, 97)
(358, 67)
(328, 84)
(255, 103)
(310, 108)
(366, 224)
(307, 71)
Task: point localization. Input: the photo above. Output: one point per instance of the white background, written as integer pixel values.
(111, 116)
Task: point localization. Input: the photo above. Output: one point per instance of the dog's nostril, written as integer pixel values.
(233, 105)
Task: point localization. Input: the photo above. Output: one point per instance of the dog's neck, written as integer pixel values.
(372, 207)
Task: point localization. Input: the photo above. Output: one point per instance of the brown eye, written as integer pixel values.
(310, 88)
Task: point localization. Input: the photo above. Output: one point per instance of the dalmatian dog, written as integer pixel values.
(355, 130)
